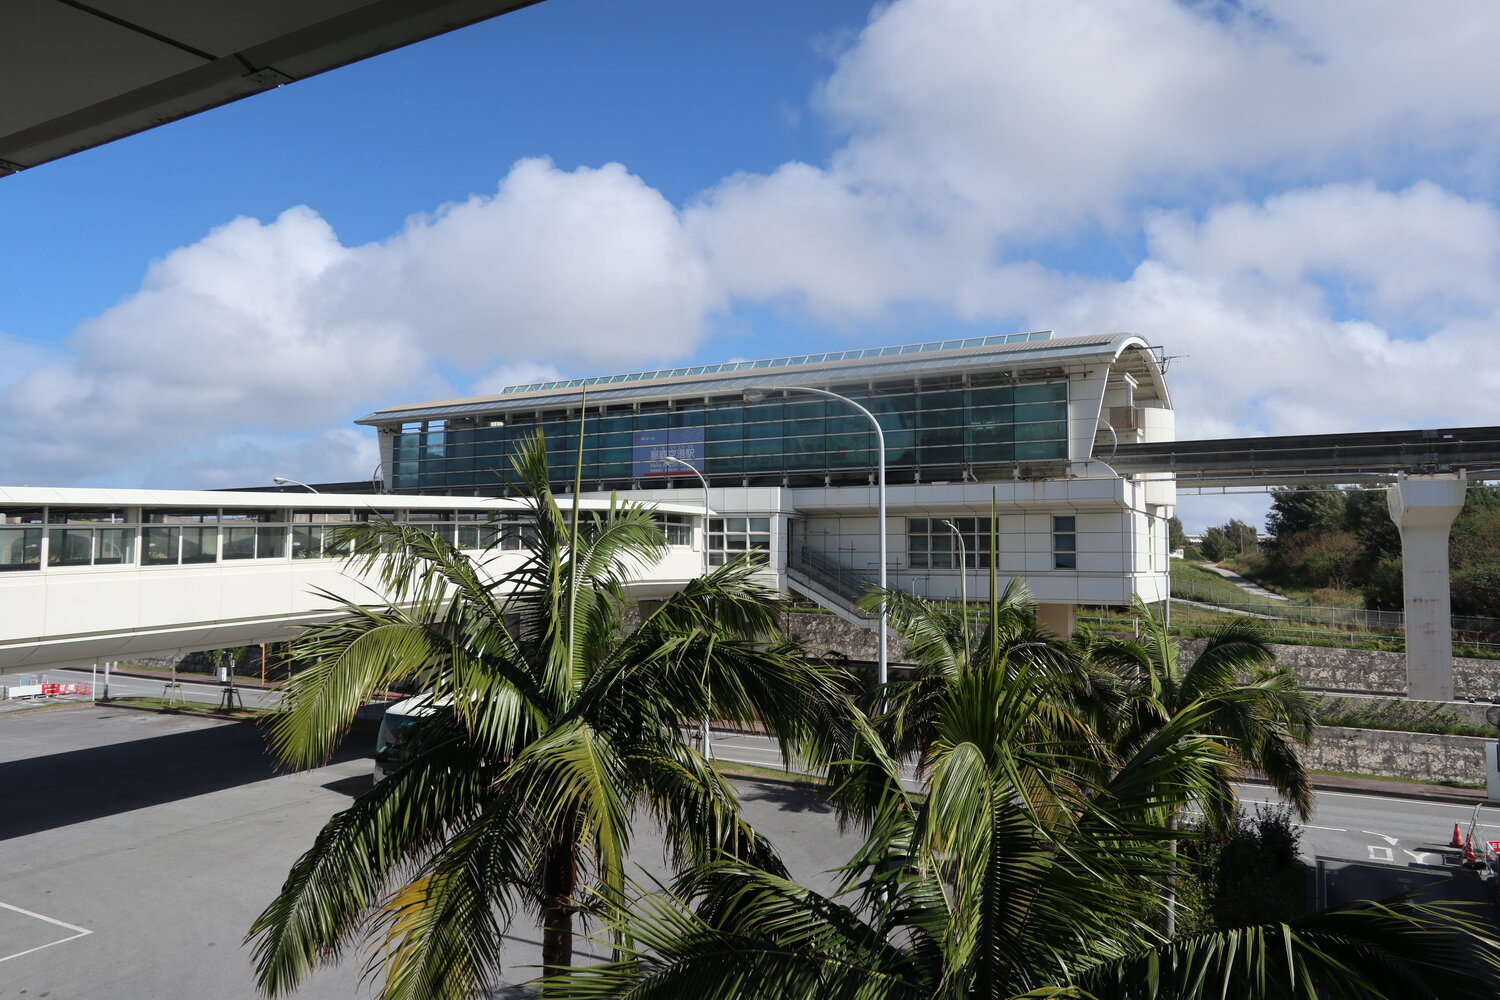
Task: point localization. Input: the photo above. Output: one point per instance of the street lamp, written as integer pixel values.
(755, 393)
(708, 751)
(963, 584)
(674, 460)
(280, 481)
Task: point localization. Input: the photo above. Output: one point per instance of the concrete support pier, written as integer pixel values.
(1423, 508)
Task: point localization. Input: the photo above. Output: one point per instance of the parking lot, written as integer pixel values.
(136, 847)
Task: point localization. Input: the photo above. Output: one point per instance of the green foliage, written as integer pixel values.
(1032, 867)
(1250, 874)
(1305, 509)
(1176, 537)
(1216, 545)
(1346, 539)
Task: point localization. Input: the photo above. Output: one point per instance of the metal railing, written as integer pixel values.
(836, 577)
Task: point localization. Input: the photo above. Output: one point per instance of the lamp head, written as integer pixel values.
(279, 481)
(755, 394)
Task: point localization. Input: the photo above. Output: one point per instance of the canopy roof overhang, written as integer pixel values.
(75, 74)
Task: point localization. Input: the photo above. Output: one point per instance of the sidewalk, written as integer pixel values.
(1247, 586)
(1399, 789)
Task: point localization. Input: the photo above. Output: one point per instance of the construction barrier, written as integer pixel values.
(44, 690)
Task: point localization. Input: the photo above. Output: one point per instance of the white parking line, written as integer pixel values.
(80, 931)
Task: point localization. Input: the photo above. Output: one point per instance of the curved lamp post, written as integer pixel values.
(963, 584)
(756, 393)
(708, 751)
(282, 481)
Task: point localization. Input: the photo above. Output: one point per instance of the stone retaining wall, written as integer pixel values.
(1415, 756)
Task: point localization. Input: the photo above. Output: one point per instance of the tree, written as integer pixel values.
(1241, 537)
(1260, 714)
(1176, 536)
(1216, 545)
(1020, 874)
(1301, 510)
(554, 721)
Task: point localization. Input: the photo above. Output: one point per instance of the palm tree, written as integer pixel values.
(949, 650)
(554, 722)
(1260, 713)
(1021, 873)
(1257, 707)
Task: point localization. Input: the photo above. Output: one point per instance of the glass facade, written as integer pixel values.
(935, 429)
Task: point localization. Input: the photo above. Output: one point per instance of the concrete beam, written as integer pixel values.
(1423, 508)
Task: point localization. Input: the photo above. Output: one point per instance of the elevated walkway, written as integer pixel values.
(1313, 458)
(104, 575)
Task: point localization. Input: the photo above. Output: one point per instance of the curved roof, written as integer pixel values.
(1029, 350)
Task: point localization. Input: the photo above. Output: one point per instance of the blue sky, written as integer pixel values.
(1297, 200)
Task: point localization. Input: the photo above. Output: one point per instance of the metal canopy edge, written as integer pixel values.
(90, 104)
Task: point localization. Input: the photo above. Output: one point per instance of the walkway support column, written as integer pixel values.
(1423, 508)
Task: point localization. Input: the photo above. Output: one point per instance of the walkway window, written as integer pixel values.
(250, 534)
(678, 528)
(1064, 543)
(20, 547)
(170, 537)
(315, 534)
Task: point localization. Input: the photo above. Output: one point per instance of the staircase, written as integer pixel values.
(830, 584)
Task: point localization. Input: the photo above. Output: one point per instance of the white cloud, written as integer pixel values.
(1247, 298)
(262, 329)
(517, 374)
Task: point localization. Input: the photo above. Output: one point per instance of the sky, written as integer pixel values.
(1297, 200)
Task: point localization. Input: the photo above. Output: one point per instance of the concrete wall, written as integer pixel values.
(1416, 756)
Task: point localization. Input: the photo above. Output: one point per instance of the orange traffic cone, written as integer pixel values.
(1469, 852)
(1458, 839)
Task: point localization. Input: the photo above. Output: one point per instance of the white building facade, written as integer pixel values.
(1005, 437)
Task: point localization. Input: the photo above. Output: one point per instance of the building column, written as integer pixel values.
(1059, 618)
(1423, 508)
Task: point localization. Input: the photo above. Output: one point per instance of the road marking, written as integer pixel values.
(1378, 853)
(1417, 857)
(79, 931)
(1389, 840)
(1330, 829)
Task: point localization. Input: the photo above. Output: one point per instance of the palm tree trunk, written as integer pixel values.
(1169, 919)
(559, 880)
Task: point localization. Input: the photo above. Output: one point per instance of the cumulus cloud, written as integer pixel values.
(973, 130)
(1253, 295)
(267, 328)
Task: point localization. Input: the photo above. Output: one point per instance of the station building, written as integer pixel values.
(1009, 433)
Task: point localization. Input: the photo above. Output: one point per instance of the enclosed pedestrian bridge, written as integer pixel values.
(91, 575)
(1314, 458)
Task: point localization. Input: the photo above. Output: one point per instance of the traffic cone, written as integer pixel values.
(1469, 852)
(1458, 839)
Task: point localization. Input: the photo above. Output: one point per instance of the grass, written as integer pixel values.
(189, 708)
(1397, 715)
(1399, 781)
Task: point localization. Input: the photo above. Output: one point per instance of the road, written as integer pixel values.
(1346, 825)
(121, 686)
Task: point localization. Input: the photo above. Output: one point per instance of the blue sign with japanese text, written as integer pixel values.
(652, 448)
